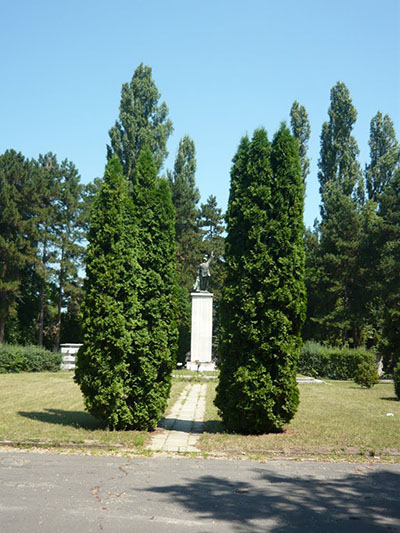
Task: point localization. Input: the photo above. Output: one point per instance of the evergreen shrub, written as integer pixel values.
(330, 362)
(366, 374)
(396, 379)
(263, 297)
(17, 358)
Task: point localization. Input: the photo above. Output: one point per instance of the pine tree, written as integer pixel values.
(111, 315)
(301, 130)
(17, 229)
(69, 236)
(263, 302)
(142, 121)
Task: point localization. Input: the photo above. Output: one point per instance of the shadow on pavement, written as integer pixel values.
(359, 502)
(77, 419)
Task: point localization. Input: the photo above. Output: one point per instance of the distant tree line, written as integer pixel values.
(353, 252)
(44, 212)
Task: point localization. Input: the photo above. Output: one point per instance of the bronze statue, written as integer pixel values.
(203, 274)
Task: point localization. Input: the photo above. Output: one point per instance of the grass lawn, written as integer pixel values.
(48, 408)
(338, 418)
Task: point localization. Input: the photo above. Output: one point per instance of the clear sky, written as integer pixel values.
(224, 68)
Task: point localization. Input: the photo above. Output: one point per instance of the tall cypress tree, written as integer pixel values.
(111, 311)
(263, 301)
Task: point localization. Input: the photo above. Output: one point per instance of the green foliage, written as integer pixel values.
(17, 358)
(142, 122)
(366, 374)
(335, 271)
(185, 197)
(396, 379)
(389, 270)
(263, 301)
(211, 223)
(384, 156)
(111, 314)
(129, 330)
(301, 130)
(339, 150)
(317, 360)
(17, 229)
(157, 291)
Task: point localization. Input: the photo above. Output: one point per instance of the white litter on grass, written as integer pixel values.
(389, 414)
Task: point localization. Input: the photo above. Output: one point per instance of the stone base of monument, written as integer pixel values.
(201, 367)
(201, 335)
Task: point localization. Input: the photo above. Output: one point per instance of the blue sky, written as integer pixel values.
(224, 68)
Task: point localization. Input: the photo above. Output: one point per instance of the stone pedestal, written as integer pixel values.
(201, 336)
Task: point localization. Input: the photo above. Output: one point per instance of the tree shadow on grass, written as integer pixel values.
(76, 419)
(350, 499)
(393, 399)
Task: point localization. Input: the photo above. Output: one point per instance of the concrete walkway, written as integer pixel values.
(181, 430)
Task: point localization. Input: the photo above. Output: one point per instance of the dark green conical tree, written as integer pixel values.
(263, 301)
(157, 291)
(111, 311)
(124, 367)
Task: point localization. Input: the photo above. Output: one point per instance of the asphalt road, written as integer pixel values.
(59, 493)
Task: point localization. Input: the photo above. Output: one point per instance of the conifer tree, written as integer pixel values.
(263, 301)
(157, 292)
(17, 229)
(124, 367)
(111, 311)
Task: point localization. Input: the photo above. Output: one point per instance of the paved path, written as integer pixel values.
(51, 493)
(180, 431)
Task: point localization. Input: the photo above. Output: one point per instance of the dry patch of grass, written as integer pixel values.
(338, 418)
(48, 408)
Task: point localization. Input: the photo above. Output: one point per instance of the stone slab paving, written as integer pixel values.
(180, 431)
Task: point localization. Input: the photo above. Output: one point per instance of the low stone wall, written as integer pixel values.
(68, 354)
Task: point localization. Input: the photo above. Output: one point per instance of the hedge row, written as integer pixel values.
(317, 360)
(16, 358)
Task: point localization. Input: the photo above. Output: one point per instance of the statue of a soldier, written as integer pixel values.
(203, 274)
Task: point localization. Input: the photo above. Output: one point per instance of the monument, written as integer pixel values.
(202, 309)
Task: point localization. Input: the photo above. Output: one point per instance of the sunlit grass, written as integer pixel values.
(48, 408)
(338, 417)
